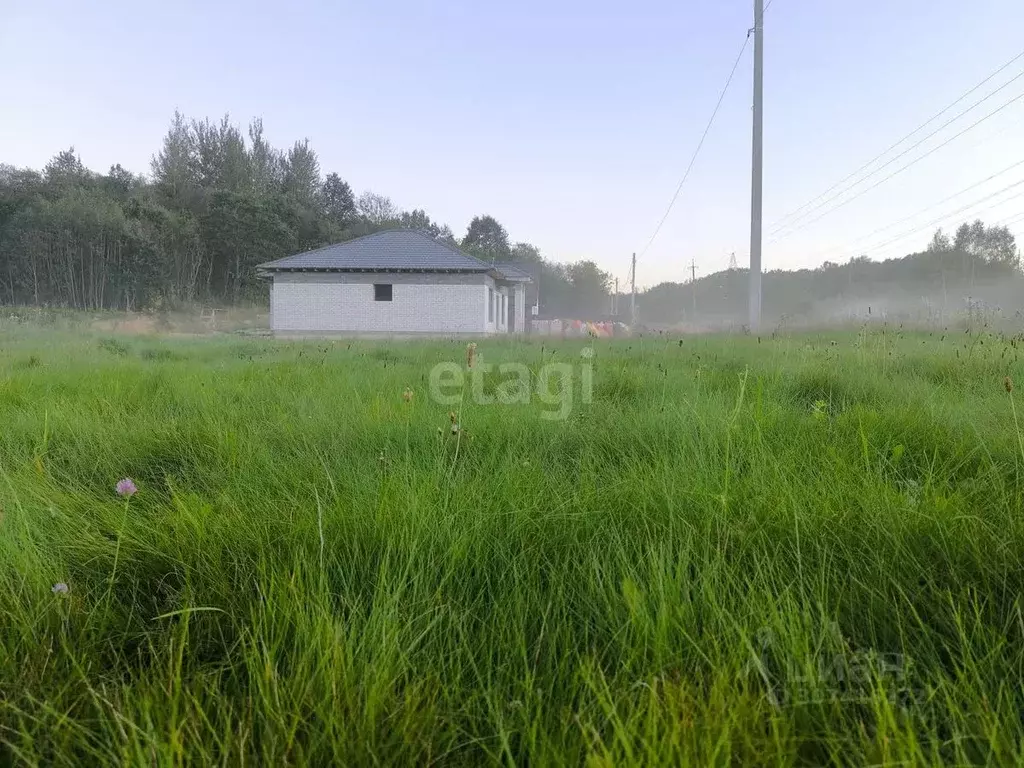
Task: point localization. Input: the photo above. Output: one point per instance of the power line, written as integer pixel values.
(1011, 220)
(933, 118)
(937, 204)
(778, 234)
(700, 144)
(938, 220)
(900, 170)
(945, 216)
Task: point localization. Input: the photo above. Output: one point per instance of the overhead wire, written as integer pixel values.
(1017, 217)
(799, 212)
(900, 170)
(934, 205)
(700, 145)
(944, 217)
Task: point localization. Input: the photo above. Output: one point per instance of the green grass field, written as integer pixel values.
(791, 551)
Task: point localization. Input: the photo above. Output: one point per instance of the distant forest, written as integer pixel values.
(215, 204)
(219, 201)
(978, 267)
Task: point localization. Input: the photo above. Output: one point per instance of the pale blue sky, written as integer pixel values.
(571, 121)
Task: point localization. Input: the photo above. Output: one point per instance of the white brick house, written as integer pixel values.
(394, 282)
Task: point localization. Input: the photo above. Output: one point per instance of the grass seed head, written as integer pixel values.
(470, 354)
(1008, 384)
(407, 395)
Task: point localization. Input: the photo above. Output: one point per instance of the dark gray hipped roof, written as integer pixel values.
(513, 272)
(394, 250)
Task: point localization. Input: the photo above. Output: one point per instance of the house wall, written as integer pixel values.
(304, 302)
(495, 318)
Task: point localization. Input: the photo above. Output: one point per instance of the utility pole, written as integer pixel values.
(632, 288)
(615, 300)
(757, 158)
(693, 286)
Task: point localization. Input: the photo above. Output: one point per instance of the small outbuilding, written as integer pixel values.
(395, 282)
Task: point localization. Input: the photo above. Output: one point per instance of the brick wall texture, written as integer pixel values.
(323, 302)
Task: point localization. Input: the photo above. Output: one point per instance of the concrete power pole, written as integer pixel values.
(757, 158)
(693, 287)
(632, 288)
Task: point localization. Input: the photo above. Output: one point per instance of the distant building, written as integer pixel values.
(394, 282)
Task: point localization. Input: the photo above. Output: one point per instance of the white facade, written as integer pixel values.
(420, 302)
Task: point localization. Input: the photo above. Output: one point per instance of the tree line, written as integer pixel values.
(977, 262)
(216, 203)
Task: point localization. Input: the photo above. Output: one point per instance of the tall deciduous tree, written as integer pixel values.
(940, 242)
(338, 202)
(988, 244)
(589, 288)
(419, 221)
(526, 252)
(486, 238)
(445, 235)
(174, 166)
(242, 230)
(377, 210)
(64, 171)
(266, 164)
(302, 174)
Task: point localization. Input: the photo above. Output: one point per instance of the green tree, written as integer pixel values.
(219, 156)
(590, 289)
(65, 171)
(240, 231)
(940, 242)
(338, 202)
(266, 164)
(419, 221)
(487, 239)
(121, 183)
(377, 211)
(445, 235)
(301, 179)
(174, 166)
(525, 252)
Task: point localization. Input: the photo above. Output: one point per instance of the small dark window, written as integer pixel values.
(382, 291)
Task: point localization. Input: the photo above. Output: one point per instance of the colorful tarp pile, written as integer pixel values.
(577, 328)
